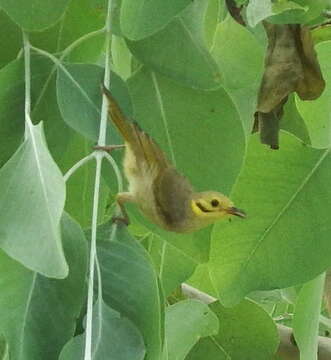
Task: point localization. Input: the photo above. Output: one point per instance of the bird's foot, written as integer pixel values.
(120, 219)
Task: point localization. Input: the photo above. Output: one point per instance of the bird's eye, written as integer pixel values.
(214, 203)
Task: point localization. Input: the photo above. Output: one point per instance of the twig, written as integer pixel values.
(98, 156)
(75, 167)
(287, 349)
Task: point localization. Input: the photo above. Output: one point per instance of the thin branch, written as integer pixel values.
(76, 166)
(287, 349)
(116, 170)
(98, 155)
(27, 75)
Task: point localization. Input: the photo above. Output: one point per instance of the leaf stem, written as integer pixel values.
(27, 75)
(76, 166)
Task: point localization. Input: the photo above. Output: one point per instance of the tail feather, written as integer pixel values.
(143, 146)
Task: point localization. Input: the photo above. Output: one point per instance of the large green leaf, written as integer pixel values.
(33, 194)
(192, 320)
(79, 92)
(179, 50)
(34, 15)
(317, 113)
(246, 332)
(241, 74)
(173, 266)
(37, 314)
(114, 338)
(306, 317)
(130, 286)
(191, 124)
(142, 18)
(285, 238)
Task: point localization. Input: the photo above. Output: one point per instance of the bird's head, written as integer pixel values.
(212, 205)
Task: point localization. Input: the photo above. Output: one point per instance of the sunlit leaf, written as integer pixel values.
(285, 238)
(246, 332)
(307, 316)
(193, 320)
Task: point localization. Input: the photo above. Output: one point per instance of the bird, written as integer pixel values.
(164, 196)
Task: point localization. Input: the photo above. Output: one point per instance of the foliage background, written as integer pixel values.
(189, 74)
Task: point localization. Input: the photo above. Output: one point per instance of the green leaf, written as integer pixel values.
(130, 286)
(292, 121)
(289, 11)
(11, 109)
(300, 11)
(141, 18)
(321, 33)
(317, 113)
(4, 350)
(192, 320)
(172, 265)
(12, 101)
(188, 124)
(34, 15)
(184, 36)
(80, 18)
(78, 92)
(241, 73)
(37, 314)
(114, 338)
(285, 238)
(10, 39)
(33, 196)
(246, 332)
(306, 317)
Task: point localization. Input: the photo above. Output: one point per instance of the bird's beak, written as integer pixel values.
(237, 212)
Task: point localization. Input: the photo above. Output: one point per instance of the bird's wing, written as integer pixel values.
(172, 193)
(144, 148)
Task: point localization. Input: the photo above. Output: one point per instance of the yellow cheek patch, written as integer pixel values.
(198, 211)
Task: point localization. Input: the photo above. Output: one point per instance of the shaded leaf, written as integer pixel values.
(34, 15)
(10, 39)
(173, 266)
(306, 317)
(285, 238)
(78, 92)
(192, 320)
(114, 338)
(241, 73)
(30, 234)
(185, 37)
(130, 286)
(246, 332)
(142, 18)
(35, 323)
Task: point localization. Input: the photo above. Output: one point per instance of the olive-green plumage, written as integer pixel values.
(163, 195)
